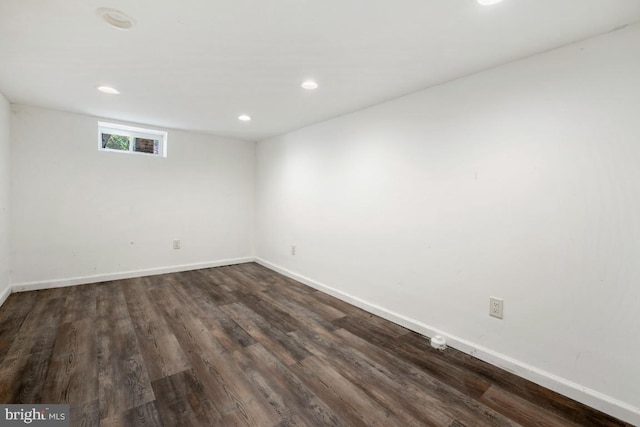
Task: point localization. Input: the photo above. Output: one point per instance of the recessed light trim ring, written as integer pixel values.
(108, 89)
(309, 85)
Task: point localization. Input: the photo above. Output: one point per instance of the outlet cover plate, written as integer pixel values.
(496, 307)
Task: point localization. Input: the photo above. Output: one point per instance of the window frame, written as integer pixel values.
(133, 132)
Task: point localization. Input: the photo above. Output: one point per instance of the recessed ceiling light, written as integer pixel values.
(488, 2)
(108, 89)
(244, 118)
(309, 85)
(115, 18)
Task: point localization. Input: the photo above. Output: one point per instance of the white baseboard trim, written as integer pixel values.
(4, 295)
(592, 398)
(85, 280)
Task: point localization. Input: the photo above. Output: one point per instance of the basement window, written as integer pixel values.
(130, 139)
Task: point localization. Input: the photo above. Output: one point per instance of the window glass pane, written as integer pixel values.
(146, 145)
(115, 142)
(115, 137)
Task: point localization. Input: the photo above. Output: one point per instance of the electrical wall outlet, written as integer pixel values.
(496, 307)
(293, 250)
(176, 244)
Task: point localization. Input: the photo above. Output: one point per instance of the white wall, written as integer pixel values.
(5, 116)
(521, 182)
(78, 212)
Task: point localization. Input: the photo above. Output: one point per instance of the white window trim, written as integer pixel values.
(133, 132)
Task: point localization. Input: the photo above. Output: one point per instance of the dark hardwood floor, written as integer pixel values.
(243, 345)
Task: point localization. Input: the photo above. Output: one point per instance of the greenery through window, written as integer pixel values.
(115, 142)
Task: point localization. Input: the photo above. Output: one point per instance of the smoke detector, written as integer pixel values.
(115, 18)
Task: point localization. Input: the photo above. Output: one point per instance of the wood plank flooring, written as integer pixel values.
(242, 345)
